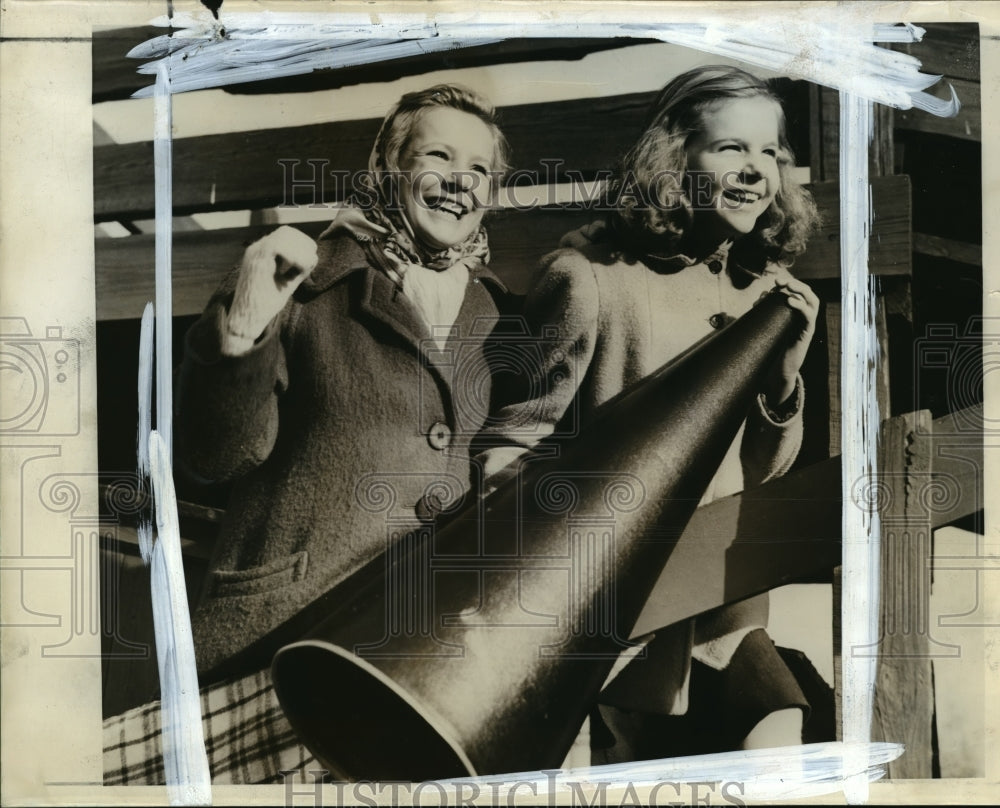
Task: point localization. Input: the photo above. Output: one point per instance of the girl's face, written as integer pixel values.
(445, 181)
(732, 166)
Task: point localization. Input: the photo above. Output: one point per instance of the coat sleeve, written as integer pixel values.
(227, 406)
(770, 442)
(559, 328)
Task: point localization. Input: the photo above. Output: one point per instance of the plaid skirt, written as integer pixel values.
(247, 737)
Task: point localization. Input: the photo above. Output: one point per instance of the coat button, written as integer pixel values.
(439, 435)
(718, 320)
(715, 266)
(428, 507)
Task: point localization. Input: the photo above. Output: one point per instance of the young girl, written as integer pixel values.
(317, 379)
(705, 220)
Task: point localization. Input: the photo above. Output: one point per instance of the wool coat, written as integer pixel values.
(343, 428)
(602, 323)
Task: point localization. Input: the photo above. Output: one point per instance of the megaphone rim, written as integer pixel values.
(440, 725)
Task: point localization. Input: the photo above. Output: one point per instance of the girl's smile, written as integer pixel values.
(445, 181)
(732, 165)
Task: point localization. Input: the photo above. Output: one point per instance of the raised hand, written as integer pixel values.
(271, 270)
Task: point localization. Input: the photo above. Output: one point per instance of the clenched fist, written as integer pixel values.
(271, 270)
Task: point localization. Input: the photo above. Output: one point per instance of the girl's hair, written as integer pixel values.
(397, 127)
(649, 195)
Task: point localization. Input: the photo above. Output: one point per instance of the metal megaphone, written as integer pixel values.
(481, 647)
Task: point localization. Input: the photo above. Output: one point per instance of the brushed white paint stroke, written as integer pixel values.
(163, 179)
(636, 66)
(838, 52)
(144, 529)
(859, 438)
(185, 762)
(199, 64)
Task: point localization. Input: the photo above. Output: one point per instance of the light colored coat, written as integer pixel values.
(602, 323)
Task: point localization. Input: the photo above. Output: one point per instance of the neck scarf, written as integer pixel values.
(434, 281)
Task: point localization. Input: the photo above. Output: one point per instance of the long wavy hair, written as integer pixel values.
(651, 203)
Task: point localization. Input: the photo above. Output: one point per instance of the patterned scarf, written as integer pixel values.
(402, 243)
(433, 280)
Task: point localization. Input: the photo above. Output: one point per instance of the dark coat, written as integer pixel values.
(344, 427)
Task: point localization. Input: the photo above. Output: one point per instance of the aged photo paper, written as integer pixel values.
(251, 145)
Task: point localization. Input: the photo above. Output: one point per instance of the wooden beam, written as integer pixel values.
(816, 135)
(790, 528)
(829, 112)
(967, 125)
(778, 533)
(242, 170)
(125, 541)
(956, 450)
(517, 238)
(838, 651)
(953, 250)
(947, 49)
(904, 694)
(881, 151)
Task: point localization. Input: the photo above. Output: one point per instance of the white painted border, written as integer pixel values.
(839, 54)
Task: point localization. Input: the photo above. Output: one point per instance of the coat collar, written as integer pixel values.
(340, 256)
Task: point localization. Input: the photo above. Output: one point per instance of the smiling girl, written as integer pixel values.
(317, 381)
(705, 220)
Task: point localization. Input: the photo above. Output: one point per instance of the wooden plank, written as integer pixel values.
(953, 250)
(816, 135)
(790, 529)
(126, 542)
(967, 125)
(547, 139)
(114, 75)
(882, 394)
(518, 239)
(131, 676)
(583, 134)
(956, 449)
(904, 694)
(838, 651)
(125, 268)
(881, 153)
(830, 133)
(784, 531)
(947, 49)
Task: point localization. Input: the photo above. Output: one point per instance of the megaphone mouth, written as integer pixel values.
(360, 724)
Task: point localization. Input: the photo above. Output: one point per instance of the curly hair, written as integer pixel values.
(398, 124)
(649, 195)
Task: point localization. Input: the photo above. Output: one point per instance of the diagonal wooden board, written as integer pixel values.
(790, 529)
